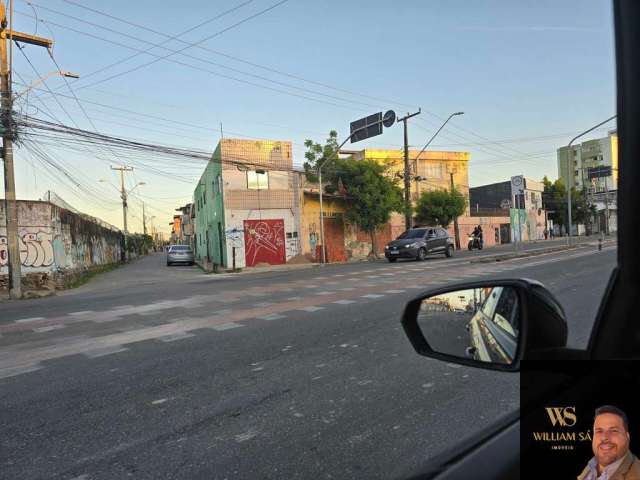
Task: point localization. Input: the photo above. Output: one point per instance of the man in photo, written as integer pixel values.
(612, 459)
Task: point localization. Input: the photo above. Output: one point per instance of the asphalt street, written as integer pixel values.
(156, 372)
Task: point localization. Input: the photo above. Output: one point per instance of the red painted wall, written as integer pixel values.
(264, 242)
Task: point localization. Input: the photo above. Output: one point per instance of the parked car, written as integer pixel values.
(418, 243)
(180, 254)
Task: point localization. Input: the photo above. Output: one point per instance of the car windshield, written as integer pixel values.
(415, 233)
(213, 213)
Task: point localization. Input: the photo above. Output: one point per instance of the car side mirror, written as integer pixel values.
(490, 324)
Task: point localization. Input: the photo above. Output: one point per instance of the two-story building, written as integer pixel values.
(245, 204)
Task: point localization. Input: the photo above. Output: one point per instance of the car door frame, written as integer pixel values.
(430, 242)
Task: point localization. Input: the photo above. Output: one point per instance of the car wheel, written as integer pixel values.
(422, 254)
(449, 252)
(392, 260)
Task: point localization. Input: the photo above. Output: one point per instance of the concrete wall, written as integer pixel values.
(55, 242)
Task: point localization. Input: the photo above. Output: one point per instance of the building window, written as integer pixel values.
(258, 180)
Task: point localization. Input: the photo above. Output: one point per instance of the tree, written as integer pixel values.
(317, 155)
(554, 200)
(371, 194)
(440, 207)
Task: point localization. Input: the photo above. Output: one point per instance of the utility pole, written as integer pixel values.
(456, 230)
(6, 105)
(123, 196)
(144, 221)
(407, 179)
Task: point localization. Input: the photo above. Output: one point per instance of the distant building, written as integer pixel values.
(502, 198)
(601, 191)
(601, 152)
(184, 233)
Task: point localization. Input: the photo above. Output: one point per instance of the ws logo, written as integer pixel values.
(562, 416)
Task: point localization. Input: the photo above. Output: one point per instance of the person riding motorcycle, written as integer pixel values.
(477, 237)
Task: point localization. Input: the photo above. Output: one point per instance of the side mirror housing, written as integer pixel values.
(488, 324)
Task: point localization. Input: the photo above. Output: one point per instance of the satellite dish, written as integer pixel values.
(389, 118)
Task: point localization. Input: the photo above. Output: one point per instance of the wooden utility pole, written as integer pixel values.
(123, 196)
(407, 175)
(144, 221)
(6, 105)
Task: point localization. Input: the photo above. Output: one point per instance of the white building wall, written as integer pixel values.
(234, 223)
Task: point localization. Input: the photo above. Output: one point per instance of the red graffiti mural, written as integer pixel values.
(264, 242)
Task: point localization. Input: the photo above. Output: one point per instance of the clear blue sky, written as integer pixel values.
(519, 71)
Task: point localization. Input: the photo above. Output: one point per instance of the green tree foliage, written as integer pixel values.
(440, 207)
(554, 200)
(317, 155)
(371, 194)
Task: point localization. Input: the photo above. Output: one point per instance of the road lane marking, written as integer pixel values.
(394, 291)
(32, 319)
(372, 295)
(226, 326)
(176, 336)
(104, 351)
(18, 370)
(324, 293)
(273, 316)
(344, 302)
(311, 309)
(49, 328)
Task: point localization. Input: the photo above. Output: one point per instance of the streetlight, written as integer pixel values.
(455, 221)
(62, 73)
(570, 169)
(437, 132)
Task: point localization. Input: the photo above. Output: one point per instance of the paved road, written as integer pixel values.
(150, 372)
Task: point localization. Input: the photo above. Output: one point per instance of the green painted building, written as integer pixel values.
(209, 239)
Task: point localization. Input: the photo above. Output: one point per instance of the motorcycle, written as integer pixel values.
(474, 242)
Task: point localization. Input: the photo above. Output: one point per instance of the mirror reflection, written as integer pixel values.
(481, 323)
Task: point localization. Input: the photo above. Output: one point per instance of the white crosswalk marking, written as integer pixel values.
(344, 302)
(311, 309)
(176, 336)
(226, 326)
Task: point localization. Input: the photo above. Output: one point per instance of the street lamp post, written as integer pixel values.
(570, 170)
(455, 222)
(62, 73)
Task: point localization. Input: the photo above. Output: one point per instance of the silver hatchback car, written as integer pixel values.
(180, 254)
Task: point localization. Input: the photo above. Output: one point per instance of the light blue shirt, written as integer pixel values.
(606, 473)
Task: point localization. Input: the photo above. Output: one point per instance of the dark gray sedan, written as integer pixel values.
(180, 254)
(418, 243)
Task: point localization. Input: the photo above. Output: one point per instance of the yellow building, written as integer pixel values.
(431, 170)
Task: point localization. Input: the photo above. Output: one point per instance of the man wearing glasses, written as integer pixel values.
(612, 459)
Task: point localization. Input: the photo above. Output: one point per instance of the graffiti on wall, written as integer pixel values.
(264, 242)
(313, 239)
(35, 245)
